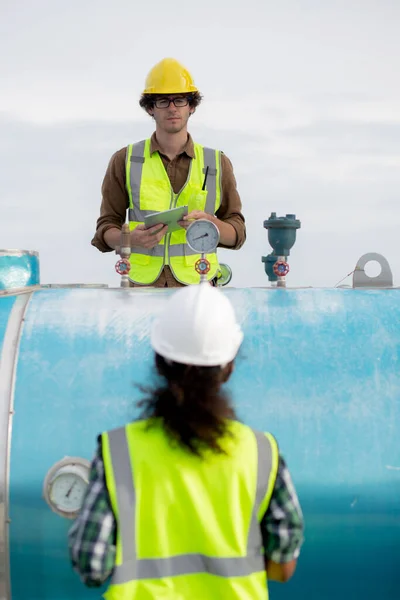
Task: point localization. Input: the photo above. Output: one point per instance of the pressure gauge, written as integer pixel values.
(202, 236)
(65, 486)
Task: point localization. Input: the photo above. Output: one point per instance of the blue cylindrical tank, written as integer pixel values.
(318, 368)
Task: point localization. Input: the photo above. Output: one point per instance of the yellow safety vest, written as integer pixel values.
(150, 191)
(188, 528)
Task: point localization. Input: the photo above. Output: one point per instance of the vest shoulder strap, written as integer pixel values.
(135, 152)
(211, 156)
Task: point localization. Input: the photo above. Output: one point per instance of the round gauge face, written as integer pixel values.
(65, 486)
(67, 492)
(202, 236)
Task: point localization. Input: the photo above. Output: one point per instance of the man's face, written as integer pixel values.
(172, 118)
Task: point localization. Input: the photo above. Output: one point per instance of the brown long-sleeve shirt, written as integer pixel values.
(115, 200)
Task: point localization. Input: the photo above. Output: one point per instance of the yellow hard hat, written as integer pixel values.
(169, 77)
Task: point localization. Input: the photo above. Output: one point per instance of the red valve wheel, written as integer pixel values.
(202, 266)
(123, 266)
(281, 268)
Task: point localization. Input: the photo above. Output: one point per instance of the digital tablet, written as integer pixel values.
(167, 217)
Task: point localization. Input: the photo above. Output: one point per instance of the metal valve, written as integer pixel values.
(281, 268)
(202, 266)
(123, 266)
(282, 237)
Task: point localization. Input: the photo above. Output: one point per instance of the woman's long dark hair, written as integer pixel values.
(193, 408)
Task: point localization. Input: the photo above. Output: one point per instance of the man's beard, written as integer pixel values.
(175, 127)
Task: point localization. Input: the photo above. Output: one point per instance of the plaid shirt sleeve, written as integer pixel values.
(91, 537)
(282, 525)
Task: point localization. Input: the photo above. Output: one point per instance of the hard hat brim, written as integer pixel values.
(163, 349)
(152, 91)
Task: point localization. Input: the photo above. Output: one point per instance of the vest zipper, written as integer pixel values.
(168, 236)
(174, 199)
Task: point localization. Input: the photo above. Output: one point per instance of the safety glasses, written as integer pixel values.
(165, 102)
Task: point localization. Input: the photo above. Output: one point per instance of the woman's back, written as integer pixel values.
(194, 516)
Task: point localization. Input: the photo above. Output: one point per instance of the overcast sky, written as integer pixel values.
(303, 96)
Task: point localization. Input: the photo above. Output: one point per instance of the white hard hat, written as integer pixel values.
(197, 326)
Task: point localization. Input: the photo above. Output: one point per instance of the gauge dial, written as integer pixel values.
(202, 236)
(65, 486)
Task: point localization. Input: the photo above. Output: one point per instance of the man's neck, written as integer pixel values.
(172, 144)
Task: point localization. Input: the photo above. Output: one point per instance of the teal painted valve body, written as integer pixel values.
(282, 233)
(269, 262)
(282, 237)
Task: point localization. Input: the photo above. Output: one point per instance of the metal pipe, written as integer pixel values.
(8, 362)
(281, 281)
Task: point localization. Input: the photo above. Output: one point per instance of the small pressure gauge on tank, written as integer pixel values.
(65, 486)
(202, 236)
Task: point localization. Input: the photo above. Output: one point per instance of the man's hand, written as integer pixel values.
(148, 238)
(194, 216)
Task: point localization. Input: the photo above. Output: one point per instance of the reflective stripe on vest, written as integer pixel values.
(159, 250)
(134, 167)
(185, 564)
